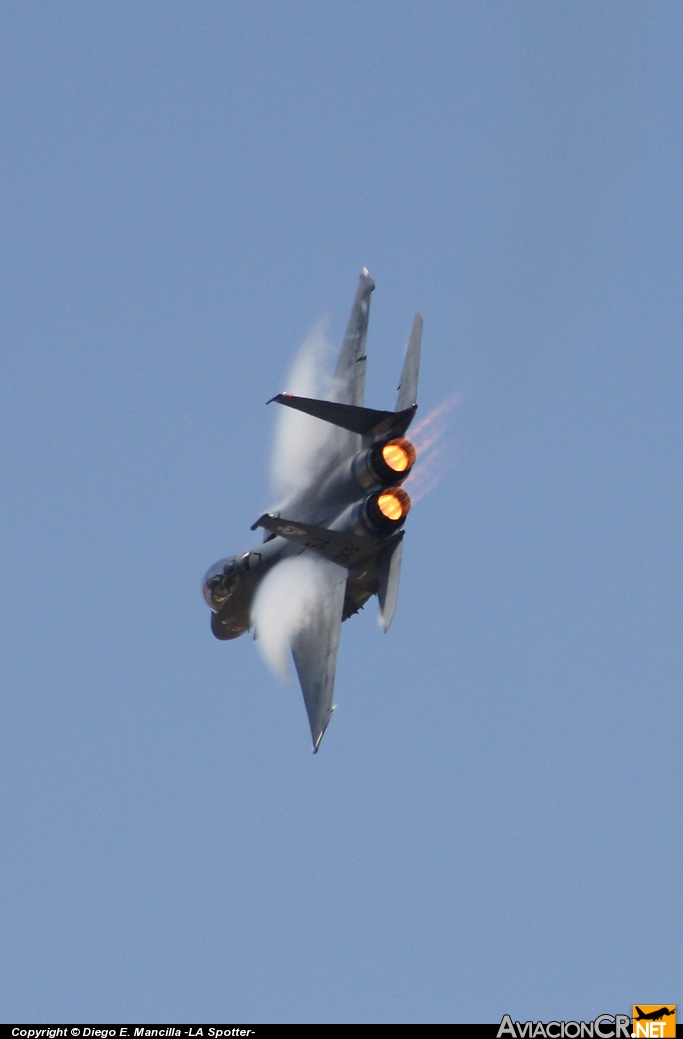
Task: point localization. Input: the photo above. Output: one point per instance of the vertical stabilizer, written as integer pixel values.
(389, 573)
(348, 381)
(407, 388)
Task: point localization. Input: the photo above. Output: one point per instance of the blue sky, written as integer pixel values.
(493, 822)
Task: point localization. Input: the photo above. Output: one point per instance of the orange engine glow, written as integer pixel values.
(394, 504)
(399, 454)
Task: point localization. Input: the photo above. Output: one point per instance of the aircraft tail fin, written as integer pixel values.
(389, 573)
(407, 387)
(366, 421)
(348, 381)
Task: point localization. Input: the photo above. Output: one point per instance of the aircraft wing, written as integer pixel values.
(348, 381)
(315, 647)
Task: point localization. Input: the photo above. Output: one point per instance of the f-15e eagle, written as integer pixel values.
(350, 514)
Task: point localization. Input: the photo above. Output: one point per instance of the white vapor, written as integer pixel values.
(290, 594)
(287, 600)
(300, 440)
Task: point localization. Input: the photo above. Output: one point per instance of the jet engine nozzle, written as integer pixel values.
(387, 462)
(385, 511)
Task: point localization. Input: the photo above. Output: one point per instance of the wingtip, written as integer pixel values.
(318, 739)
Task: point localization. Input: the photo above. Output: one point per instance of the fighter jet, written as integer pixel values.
(349, 518)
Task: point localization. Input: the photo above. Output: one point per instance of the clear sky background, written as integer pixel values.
(493, 823)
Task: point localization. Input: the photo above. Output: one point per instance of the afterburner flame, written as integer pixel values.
(399, 455)
(394, 504)
(435, 460)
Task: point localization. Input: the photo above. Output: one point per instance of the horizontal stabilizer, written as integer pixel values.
(343, 549)
(365, 421)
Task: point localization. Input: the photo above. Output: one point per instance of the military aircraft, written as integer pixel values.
(349, 517)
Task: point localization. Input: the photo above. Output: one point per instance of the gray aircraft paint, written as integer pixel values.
(337, 518)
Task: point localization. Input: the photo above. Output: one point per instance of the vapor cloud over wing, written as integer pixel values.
(287, 601)
(290, 594)
(302, 443)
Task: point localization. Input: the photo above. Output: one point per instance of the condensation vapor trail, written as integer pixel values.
(291, 593)
(285, 604)
(432, 459)
(300, 444)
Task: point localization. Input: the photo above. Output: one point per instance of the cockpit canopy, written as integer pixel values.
(221, 580)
